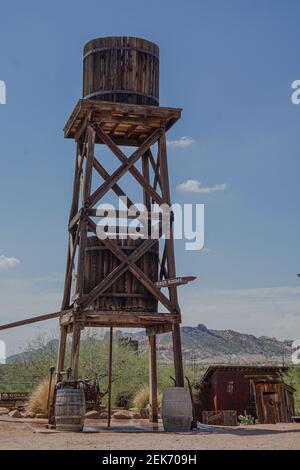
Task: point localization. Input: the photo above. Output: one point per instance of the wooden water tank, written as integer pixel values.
(121, 69)
(177, 411)
(70, 409)
(127, 293)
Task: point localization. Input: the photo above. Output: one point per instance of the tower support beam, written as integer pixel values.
(96, 122)
(153, 412)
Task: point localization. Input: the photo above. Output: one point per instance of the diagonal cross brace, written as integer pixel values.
(122, 157)
(127, 262)
(118, 271)
(125, 166)
(105, 175)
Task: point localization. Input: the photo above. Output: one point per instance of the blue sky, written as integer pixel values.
(229, 65)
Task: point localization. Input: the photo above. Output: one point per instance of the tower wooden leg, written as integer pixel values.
(61, 351)
(153, 414)
(75, 349)
(177, 355)
(110, 375)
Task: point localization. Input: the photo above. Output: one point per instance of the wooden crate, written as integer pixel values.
(220, 418)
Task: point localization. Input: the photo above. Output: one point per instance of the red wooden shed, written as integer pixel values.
(258, 391)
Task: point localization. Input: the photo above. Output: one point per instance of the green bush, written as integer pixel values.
(246, 420)
(292, 377)
(130, 368)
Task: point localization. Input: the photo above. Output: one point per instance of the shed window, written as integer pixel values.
(229, 387)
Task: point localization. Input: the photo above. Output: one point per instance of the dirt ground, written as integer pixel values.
(32, 434)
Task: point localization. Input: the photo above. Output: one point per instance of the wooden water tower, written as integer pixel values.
(120, 282)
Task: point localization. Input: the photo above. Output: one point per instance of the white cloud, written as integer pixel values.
(195, 186)
(184, 141)
(6, 262)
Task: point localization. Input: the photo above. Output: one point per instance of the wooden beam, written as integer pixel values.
(105, 175)
(75, 220)
(178, 363)
(169, 242)
(82, 128)
(69, 271)
(163, 270)
(125, 166)
(87, 184)
(76, 184)
(138, 273)
(89, 163)
(153, 412)
(75, 349)
(158, 329)
(110, 375)
(27, 321)
(126, 261)
(73, 210)
(120, 214)
(155, 167)
(146, 175)
(122, 157)
(81, 258)
(120, 112)
(170, 255)
(120, 318)
(60, 365)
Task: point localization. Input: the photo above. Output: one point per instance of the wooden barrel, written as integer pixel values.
(69, 409)
(177, 411)
(121, 69)
(127, 293)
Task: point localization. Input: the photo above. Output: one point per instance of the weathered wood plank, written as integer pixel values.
(87, 184)
(152, 116)
(28, 321)
(110, 375)
(126, 261)
(61, 349)
(137, 272)
(153, 412)
(169, 243)
(122, 157)
(116, 188)
(125, 166)
(75, 349)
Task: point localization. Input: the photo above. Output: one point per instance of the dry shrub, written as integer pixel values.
(142, 398)
(38, 399)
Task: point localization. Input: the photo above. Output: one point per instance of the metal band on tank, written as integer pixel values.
(127, 92)
(116, 48)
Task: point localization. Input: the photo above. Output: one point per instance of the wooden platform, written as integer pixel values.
(127, 124)
(121, 319)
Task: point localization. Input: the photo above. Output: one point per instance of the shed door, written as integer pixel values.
(271, 407)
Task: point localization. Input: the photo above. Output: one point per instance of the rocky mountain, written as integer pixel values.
(202, 345)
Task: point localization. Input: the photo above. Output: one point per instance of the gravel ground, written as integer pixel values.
(18, 434)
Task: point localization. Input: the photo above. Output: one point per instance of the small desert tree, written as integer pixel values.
(292, 377)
